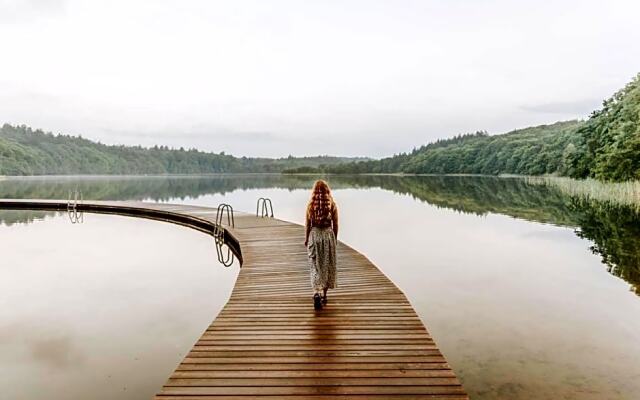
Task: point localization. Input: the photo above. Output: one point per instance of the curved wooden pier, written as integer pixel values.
(269, 342)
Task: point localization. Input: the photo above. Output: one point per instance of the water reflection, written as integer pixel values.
(614, 230)
(104, 309)
(23, 217)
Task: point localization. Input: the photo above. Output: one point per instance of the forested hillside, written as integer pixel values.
(24, 151)
(606, 147)
(531, 151)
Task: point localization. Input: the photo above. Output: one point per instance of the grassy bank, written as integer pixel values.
(615, 193)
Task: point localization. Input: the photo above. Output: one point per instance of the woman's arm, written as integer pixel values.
(307, 229)
(334, 220)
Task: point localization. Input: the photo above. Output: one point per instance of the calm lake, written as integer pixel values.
(528, 293)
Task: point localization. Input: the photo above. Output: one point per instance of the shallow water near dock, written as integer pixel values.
(528, 293)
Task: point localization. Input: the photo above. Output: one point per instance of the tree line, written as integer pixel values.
(27, 151)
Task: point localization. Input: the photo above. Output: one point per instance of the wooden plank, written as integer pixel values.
(325, 381)
(391, 373)
(377, 366)
(320, 397)
(261, 390)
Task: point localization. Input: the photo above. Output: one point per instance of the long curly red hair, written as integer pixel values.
(321, 205)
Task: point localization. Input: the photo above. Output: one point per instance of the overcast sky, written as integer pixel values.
(272, 78)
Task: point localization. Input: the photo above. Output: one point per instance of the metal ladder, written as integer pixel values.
(75, 198)
(218, 234)
(267, 208)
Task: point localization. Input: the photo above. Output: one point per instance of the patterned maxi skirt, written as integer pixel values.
(322, 258)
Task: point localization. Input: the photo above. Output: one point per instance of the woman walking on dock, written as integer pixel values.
(320, 239)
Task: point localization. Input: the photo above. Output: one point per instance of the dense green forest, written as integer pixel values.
(606, 147)
(25, 151)
(531, 151)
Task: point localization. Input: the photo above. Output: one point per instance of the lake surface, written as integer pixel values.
(103, 309)
(528, 293)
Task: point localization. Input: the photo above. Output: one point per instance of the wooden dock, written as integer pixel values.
(269, 342)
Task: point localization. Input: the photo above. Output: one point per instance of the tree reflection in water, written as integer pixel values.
(613, 230)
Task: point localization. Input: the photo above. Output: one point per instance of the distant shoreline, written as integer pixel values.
(107, 176)
(222, 174)
(397, 174)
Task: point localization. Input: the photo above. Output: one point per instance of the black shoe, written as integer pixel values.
(317, 302)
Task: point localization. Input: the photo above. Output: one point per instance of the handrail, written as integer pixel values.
(220, 214)
(267, 207)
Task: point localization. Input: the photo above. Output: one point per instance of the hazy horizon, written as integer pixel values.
(348, 78)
